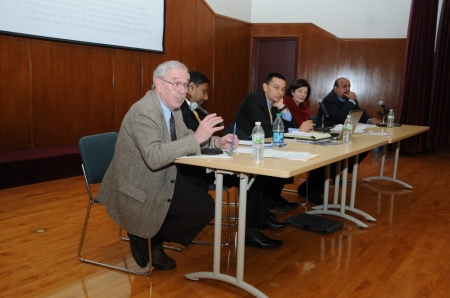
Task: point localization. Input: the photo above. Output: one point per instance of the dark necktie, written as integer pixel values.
(173, 133)
(270, 114)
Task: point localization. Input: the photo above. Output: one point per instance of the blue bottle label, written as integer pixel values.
(278, 137)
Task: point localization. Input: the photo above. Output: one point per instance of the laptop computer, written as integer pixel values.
(355, 115)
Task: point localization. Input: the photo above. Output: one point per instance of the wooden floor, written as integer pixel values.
(405, 253)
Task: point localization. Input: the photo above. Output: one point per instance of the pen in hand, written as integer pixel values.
(232, 141)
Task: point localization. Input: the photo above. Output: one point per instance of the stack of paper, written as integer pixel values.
(360, 127)
(303, 156)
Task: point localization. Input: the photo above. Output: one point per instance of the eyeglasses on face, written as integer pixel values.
(177, 85)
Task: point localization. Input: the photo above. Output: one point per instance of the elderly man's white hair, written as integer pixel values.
(166, 67)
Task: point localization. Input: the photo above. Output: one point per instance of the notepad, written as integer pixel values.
(307, 135)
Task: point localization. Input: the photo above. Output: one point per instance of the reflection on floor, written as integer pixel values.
(403, 254)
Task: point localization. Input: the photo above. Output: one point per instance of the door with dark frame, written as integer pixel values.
(273, 54)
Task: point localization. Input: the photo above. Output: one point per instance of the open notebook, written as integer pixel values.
(306, 135)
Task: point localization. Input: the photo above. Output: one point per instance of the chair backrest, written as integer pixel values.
(97, 152)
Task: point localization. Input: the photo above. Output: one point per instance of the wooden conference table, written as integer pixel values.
(399, 133)
(243, 165)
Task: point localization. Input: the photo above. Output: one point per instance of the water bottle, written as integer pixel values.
(278, 132)
(258, 142)
(390, 121)
(348, 129)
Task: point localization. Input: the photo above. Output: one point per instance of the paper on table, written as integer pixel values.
(324, 142)
(249, 143)
(360, 127)
(337, 128)
(302, 156)
(225, 154)
(378, 133)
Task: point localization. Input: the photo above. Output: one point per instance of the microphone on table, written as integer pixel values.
(323, 108)
(385, 108)
(195, 107)
(324, 114)
(386, 111)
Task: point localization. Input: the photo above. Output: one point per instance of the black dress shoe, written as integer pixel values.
(258, 239)
(315, 198)
(283, 201)
(160, 260)
(270, 214)
(301, 190)
(283, 205)
(281, 208)
(272, 225)
(139, 250)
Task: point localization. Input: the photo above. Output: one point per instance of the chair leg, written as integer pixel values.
(227, 224)
(174, 248)
(126, 239)
(83, 233)
(227, 218)
(236, 207)
(123, 269)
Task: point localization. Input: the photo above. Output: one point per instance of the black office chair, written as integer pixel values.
(97, 152)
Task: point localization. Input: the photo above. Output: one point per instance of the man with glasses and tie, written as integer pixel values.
(142, 190)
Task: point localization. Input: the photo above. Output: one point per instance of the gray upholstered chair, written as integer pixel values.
(97, 152)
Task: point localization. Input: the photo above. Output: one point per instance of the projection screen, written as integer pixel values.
(132, 24)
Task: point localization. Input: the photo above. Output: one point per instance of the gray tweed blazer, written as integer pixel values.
(138, 186)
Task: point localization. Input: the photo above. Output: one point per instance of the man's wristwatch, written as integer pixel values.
(282, 109)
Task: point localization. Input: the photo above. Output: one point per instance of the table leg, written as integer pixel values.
(351, 206)
(237, 281)
(337, 178)
(324, 208)
(394, 173)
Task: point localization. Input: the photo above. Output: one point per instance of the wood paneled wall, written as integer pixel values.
(373, 66)
(53, 93)
(231, 68)
(16, 117)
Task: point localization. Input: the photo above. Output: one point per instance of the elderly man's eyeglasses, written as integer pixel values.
(177, 85)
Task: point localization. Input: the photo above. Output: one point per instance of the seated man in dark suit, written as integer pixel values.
(339, 102)
(255, 217)
(197, 92)
(263, 106)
